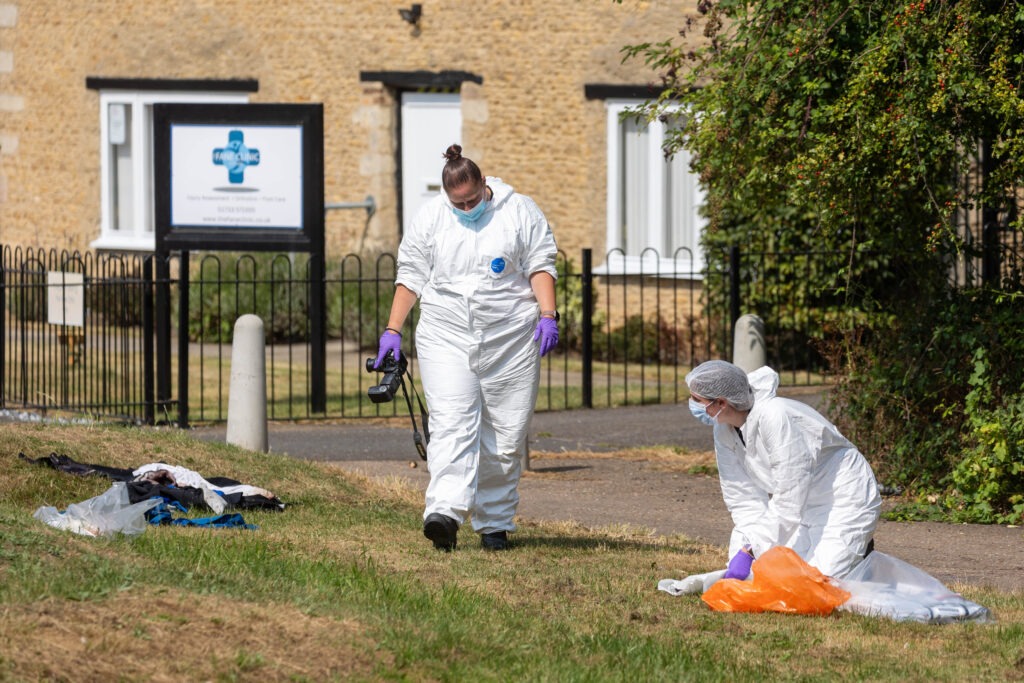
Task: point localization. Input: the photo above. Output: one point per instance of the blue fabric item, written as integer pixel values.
(161, 514)
(233, 520)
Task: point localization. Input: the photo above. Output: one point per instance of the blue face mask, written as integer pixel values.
(700, 411)
(471, 216)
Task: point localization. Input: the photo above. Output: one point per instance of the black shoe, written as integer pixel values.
(496, 540)
(442, 530)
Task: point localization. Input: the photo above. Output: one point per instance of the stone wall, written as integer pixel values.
(528, 122)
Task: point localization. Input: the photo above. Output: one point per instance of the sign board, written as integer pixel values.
(245, 177)
(65, 298)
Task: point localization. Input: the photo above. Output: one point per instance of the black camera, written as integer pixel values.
(389, 384)
(392, 379)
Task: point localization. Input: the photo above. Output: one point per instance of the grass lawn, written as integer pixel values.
(343, 586)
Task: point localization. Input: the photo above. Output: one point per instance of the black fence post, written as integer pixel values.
(990, 256)
(183, 342)
(318, 333)
(587, 279)
(3, 326)
(163, 330)
(148, 360)
(734, 288)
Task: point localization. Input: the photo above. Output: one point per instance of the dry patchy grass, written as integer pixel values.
(568, 599)
(661, 458)
(172, 636)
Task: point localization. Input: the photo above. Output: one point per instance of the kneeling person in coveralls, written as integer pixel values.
(481, 260)
(788, 476)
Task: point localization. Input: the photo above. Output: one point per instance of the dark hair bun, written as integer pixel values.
(458, 170)
(453, 153)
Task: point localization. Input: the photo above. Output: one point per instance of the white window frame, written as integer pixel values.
(140, 235)
(619, 260)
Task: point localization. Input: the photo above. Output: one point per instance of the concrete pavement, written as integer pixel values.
(594, 490)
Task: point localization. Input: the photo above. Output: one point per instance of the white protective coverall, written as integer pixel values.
(478, 361)
(794, 480)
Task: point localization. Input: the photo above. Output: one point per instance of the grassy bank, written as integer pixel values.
(342, 585)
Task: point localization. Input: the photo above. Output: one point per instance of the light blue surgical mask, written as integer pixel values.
(471, 216)
(700, 411)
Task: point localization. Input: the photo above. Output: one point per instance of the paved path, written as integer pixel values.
(572, 478)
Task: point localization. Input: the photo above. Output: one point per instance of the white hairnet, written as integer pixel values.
(721, 379)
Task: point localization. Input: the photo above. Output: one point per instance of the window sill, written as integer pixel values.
(124, 243)
(650, 266)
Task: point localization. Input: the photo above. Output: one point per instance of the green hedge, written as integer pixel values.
(935, 398)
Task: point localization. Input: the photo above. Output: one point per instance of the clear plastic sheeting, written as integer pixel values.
(884, 586)
(105, 515)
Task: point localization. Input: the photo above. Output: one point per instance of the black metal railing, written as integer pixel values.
(130, 338)
(71, 333)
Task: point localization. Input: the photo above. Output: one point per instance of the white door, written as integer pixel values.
(430, 122)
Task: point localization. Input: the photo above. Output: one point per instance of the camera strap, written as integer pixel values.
(421, 441)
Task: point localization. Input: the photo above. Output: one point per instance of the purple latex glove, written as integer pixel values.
(547, 333)
(739, 565)
(389, 341)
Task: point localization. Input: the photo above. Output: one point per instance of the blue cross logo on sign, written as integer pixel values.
(235, 156)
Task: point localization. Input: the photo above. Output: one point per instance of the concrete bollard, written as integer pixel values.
(247, 395)
(748, 349)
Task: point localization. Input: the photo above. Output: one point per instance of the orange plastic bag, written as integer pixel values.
(782, 582)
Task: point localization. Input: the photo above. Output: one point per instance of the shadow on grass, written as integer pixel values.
(569, 542)
(559, 470)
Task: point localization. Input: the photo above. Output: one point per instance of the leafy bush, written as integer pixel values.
(267, 285)
(934, 399)
(118, 299)
(274, 287)
(27, 299)
(987, 484)
(569, 291)
(358, 304)
(643, 341)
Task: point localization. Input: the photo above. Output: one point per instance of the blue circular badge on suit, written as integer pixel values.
(498, 265)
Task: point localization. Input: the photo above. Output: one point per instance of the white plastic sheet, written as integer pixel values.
(105, 515)
(694, 584)
(885, 586)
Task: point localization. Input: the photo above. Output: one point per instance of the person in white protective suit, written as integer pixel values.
(788, 476)
(481, 260)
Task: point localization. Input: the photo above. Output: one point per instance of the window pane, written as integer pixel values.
(680, 206)
(120, 136)
(635, 180)
(128, 220)
(146, 197)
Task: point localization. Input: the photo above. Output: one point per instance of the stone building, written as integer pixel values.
(532, 89)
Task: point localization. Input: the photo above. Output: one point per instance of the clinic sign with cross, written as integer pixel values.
(238, 177)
